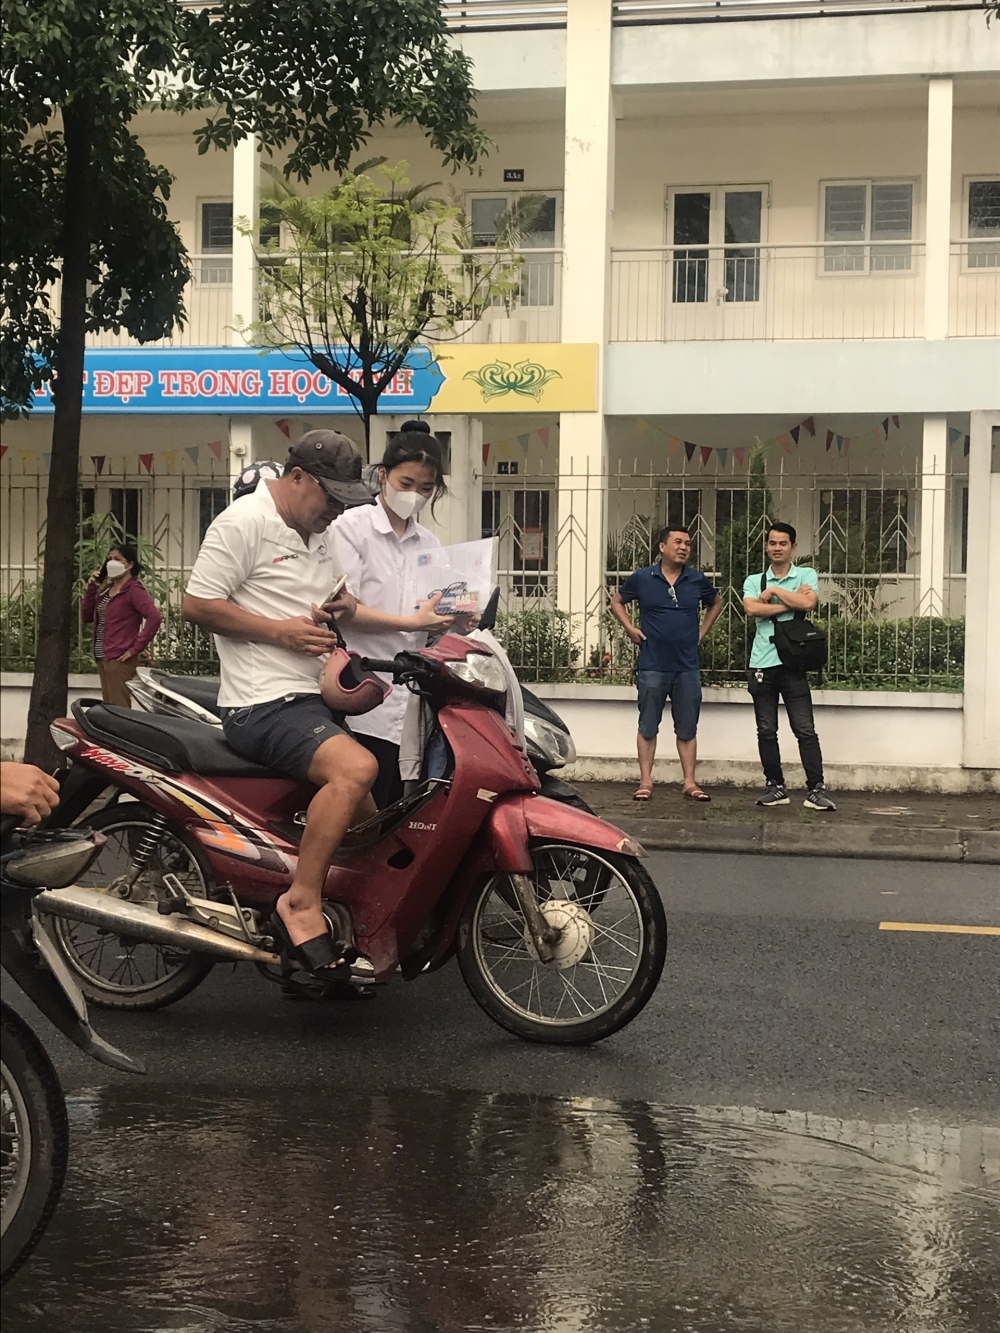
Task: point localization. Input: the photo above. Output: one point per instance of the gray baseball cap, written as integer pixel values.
(333, 460)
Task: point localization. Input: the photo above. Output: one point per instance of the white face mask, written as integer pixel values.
(404, 504)
(116, 569)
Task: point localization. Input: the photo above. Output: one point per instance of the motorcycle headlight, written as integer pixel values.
(555, 747)
(484, 672)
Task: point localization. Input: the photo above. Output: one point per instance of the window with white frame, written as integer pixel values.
(215, 240)
(539, 228)
(982, 215)
(867, 226)
(716, 232)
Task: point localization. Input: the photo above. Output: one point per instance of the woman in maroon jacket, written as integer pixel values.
(124, 617)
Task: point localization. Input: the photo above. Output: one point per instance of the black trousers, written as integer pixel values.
(792, 688)
(388, 786)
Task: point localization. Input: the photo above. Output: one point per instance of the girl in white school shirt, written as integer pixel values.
(372, 543)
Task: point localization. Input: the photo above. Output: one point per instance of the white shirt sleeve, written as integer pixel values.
(347, 546)
(227, 555)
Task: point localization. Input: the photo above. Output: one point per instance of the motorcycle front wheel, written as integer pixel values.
(607, 960)
(35, 1141)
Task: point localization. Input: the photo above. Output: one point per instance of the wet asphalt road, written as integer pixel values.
(801, 1132)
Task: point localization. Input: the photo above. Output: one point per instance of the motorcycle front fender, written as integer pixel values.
(517, 820)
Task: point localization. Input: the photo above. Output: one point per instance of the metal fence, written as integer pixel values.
(164, 515)
(891, 624)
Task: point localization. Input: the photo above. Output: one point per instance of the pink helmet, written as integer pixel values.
(347, 687)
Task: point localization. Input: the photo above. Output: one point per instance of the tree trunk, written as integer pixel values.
(55, 622)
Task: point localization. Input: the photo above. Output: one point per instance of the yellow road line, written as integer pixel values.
(932, 926)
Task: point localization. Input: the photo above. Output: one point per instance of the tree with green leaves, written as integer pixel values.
(84, 208)
(356, 277)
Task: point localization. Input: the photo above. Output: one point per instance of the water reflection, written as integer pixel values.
(420, 1211)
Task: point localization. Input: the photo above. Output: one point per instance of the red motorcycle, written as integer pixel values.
(558, 929)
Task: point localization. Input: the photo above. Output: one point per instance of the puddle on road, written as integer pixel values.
(420, 1212)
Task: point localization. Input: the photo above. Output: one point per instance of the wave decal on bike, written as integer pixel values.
(250, 846)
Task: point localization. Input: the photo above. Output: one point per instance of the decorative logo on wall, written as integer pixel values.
(526, 378)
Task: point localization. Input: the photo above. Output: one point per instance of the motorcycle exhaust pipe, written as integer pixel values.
(139, 922)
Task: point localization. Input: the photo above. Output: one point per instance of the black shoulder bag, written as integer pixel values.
(801, 646)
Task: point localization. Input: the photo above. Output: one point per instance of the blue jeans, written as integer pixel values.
(683, 688)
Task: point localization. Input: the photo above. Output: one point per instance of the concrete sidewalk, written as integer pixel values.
(898, 826)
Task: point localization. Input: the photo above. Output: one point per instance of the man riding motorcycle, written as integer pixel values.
(263, 573)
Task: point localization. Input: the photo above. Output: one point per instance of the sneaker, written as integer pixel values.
(773, 794)
(817, 799)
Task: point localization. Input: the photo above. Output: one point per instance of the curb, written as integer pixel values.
(868, 841)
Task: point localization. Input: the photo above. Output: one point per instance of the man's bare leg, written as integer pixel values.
(647, 753)
(687, 752)
(344, 772)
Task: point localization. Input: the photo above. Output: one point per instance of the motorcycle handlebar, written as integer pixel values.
(376, 664)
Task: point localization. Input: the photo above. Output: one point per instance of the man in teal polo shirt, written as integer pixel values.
(788, 589)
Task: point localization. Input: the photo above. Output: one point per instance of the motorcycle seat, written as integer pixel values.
(201, 690)
(176, 744)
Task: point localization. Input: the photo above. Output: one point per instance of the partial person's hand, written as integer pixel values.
(25, 790)
(464, 623)
(635, 634)
(302, 635)
(342, 607)
(765, 596)
(426, 616)
(95, 577)
(126, 657)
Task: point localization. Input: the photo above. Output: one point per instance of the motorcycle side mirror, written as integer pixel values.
(489, 617)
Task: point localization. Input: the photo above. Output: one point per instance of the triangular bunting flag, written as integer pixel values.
(543, 435)
(810, 425)
(706, 453)
(673, 444)
(47, 458)
(895, 422)
(740, 453)
(829, 440)
(3, 450)
(723, 455)
(216, 447)
(885, 427)
(689, 449)
(523, 441)
(968, 441)
(785, 443)
(147, 461)
(840, 443)
(503, 447)
(641, 426)
(25, 457)
(192, 451)
(794, 433)
(98, 461)
(954, 435)
(847, 442)
(306, 426)
(284, 428)
(170, 457)
(486, 454)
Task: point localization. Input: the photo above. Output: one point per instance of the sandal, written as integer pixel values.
(643, 794)
(319, 956)
(696, 794)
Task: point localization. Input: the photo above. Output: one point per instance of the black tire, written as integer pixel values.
(35, 1141)
(492, 946)
(149, 976)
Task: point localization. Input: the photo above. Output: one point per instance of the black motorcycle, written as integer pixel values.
(35, 1129)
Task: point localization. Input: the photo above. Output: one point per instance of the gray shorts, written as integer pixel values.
(282, 734)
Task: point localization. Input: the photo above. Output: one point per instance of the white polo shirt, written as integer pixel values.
(372, 556)
(252, 558)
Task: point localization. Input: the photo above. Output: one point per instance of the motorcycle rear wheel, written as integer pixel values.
(115, 972)
(608, 962)
(35, 1135)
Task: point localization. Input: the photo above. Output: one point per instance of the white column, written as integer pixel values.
(587, 203)
(459, 516)
(981, 746)
(240, 446)
(938, 208)
(933, 502)
(246, 208)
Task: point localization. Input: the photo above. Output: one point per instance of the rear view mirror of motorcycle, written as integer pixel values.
(489, 617)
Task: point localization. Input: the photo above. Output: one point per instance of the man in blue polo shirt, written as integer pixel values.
(670, 596)
(789, 588)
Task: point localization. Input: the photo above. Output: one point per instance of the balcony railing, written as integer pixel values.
(765, 293)
(464, 15)
(974, 297)
(627, 12)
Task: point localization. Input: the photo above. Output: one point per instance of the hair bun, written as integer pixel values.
(414, 428)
